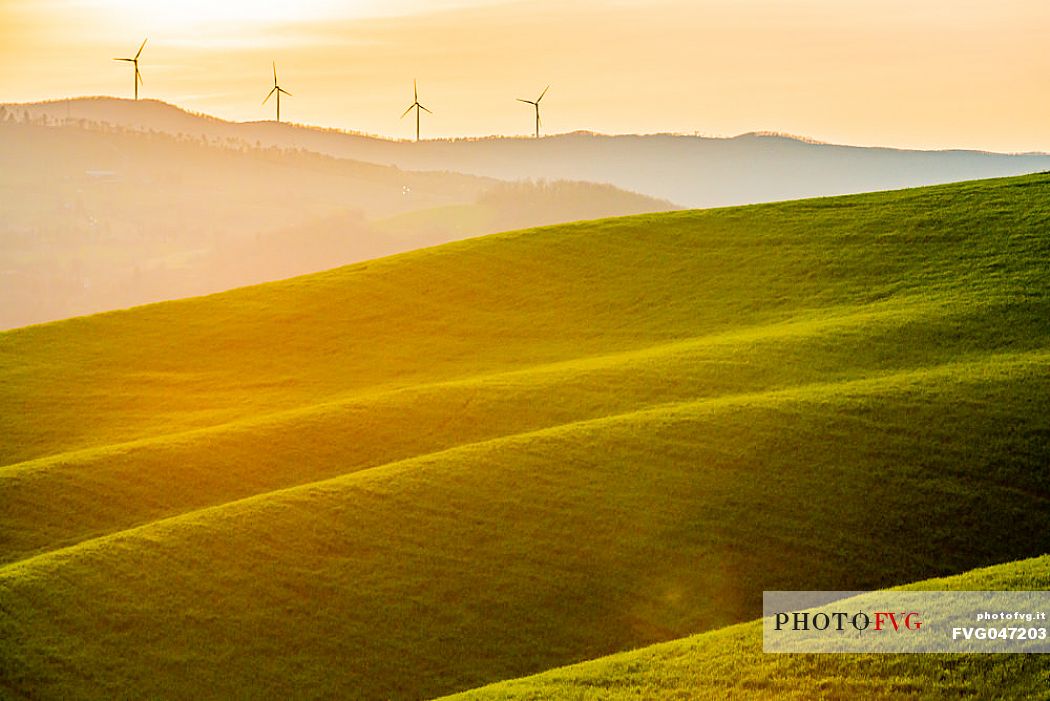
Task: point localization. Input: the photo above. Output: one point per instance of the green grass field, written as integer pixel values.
(729, 663)
(426, 473)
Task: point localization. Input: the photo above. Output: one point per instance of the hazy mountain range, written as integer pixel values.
(110, 203)
(692, 171)
(98, 217)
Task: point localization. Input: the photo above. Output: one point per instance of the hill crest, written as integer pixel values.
(693, 171)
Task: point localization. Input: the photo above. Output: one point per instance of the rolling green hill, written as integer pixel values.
(425, 473)
(729, 663)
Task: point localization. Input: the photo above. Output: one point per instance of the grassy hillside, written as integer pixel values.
(729, 663)
(421, 474)
(517, 205)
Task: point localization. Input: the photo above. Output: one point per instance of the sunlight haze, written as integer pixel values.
(909, 74)
(493, 350)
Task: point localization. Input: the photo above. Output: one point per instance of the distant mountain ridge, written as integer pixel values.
(99, 216)
(692, 171)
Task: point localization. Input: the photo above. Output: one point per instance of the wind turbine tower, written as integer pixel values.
(135, 62)
(536, 103)
(278, 90)
(417, 107)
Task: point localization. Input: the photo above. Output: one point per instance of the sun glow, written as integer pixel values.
(964, 74)
(193, 14)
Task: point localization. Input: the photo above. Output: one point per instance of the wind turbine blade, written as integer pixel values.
(124, 59)
(138, 76)
(425, 109)
(543, 93)
(528, 102)
(415, 91)
(139, 52)
(270, 94)
(408, 110)
(274, 73)
(284, 91)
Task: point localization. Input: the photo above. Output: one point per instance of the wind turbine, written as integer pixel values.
(415, 105)
(536, 103)
(277, 89)
(135, 61)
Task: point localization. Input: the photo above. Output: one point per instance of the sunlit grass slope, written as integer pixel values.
(424, 473)
(729, 663)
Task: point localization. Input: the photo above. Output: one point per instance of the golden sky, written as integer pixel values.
(909, 73)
